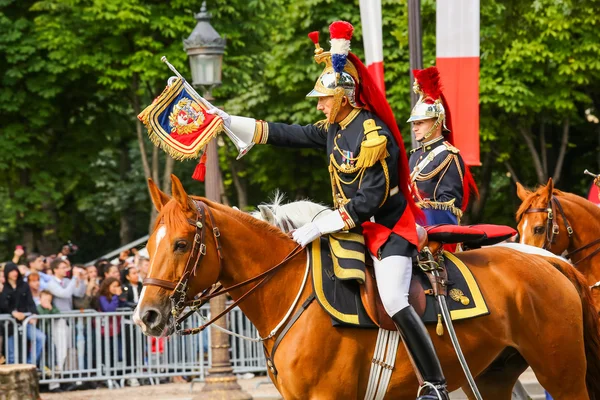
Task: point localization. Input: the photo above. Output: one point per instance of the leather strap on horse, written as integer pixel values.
(592, 254)
(288, 326)
(266, 275)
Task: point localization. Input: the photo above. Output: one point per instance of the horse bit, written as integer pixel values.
(197, 253)
(552, 229)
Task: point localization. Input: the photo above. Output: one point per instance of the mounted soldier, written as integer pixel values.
(370, 184)
(440, 179)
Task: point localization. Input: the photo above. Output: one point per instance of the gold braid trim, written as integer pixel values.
(322, 124)
(261, 132)
(458, 167)
(441, 205)
(428, 176)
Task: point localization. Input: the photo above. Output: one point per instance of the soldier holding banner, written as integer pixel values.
(370, 184)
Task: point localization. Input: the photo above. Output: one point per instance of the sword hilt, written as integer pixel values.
(590, 174)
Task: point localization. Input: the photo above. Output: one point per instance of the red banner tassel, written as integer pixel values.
(200, 171)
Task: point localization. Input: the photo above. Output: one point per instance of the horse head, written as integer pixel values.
(541, 219)
(170, 246)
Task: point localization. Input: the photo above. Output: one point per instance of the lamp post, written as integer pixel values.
(205, 48)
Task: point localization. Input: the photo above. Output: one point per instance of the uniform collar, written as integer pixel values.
(432, 143)
(349, 118)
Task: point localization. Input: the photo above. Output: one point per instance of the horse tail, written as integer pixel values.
(591, 328)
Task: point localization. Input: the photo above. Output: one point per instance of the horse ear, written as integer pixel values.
(159, 198)
(522, 192)
(267, 214)
(550, 187)
(179, 193)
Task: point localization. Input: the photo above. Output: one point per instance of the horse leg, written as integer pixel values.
(497, 381)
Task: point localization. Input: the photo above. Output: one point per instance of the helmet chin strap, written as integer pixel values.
(433, 128)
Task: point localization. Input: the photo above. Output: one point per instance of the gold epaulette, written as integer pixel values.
(414, 150)
(451, 148)
(373, 149)
(324, 124)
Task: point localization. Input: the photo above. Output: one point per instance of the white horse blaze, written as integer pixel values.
(524, 230)
(160, 234)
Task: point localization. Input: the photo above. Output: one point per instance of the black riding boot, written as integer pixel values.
(421, 349)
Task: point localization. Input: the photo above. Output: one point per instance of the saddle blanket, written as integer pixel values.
(338, 270)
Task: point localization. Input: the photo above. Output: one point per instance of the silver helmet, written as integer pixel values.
(328, 82)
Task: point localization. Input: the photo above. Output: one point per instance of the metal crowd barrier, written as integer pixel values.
(92, 346)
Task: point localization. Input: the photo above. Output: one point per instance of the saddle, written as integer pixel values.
(346, 288)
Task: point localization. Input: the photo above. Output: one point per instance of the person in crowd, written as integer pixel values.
(132, 287)
(108, 301)
(36, 263)
(143, 267)
(16, 300)
(18, 254)
(93, 274)
(112, 271)
(63, 289)
(45, 307)
(101, 267)
(33, 280)
(109, 295)
(91, 290)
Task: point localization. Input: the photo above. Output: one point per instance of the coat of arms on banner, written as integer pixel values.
(178, 123)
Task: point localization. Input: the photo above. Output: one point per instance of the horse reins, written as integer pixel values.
(552, 229)
(197, 253)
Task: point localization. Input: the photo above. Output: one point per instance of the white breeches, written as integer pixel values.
(393, 276)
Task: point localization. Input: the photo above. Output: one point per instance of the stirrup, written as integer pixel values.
(437, 389)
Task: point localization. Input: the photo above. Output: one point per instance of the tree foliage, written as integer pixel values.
(77, 71)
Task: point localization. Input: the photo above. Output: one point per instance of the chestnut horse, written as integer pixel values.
(574, 228)
(540, 311)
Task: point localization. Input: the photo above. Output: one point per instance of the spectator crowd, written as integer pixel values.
(34, 284)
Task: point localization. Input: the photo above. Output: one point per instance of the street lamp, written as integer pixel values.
(205, 48)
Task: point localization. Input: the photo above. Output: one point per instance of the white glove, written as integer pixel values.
(332, 222)
(226, 117)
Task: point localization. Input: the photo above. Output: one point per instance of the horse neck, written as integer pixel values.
(248, 251)
(585, 221)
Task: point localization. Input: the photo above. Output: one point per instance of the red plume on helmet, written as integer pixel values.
(431, 85)
(369, 95)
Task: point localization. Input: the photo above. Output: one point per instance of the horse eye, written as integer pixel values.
(180, 245)
(538, 230)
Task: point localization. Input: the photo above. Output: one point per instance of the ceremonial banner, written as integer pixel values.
(370, 18)
(457, 59)
(178, 123)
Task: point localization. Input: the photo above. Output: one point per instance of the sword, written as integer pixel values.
(590, 174)
(461, 357)
(242, 146)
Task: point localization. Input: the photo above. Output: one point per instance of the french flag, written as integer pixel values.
(370, 17)
(457, 59)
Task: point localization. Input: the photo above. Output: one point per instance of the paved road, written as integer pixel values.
(260, 388)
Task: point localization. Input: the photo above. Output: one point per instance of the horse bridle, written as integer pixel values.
(197, 253)
(552, 229)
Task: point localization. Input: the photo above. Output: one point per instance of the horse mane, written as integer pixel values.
(174, 218)
(290, 215)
